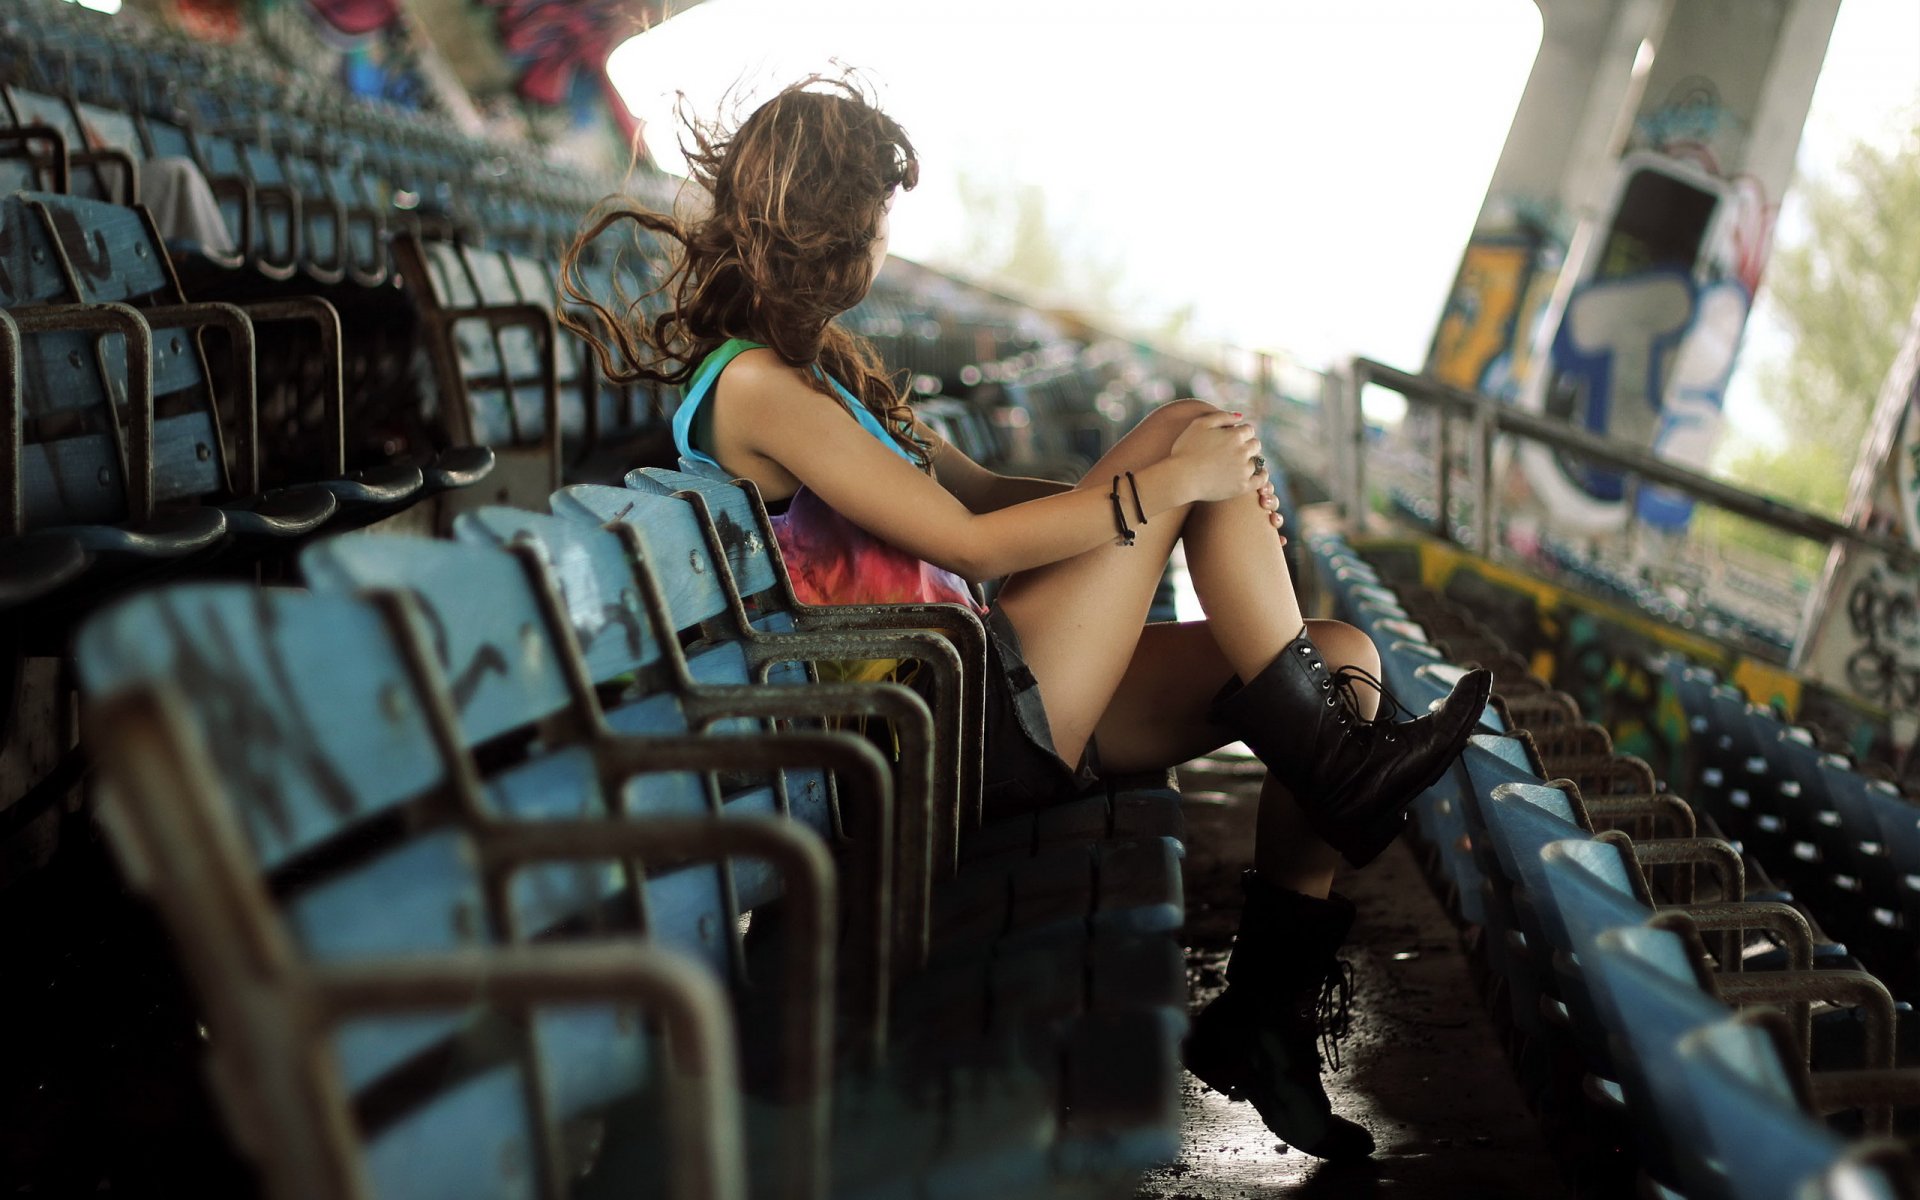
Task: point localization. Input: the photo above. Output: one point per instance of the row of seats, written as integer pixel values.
(1583, 572)
(309, 183)
(459, 843)
(1685, 1023)
(1846, 841)
(123, 458)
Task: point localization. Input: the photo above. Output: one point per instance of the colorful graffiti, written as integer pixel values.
(1883, 614)
(1483, 310)
(1644, 359)
(218, 21)
(1691, 122)
(561, 46)
(357, 17)
(1610, 660)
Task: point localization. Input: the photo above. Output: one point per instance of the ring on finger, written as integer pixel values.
(1259, 462)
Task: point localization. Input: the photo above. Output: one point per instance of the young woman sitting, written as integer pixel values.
(880, 509)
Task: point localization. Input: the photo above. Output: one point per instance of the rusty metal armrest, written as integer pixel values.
(242, 354)
(1796, 990)
(239, 320)
(1611, 768)
(241, 190)
(126, 321)
(378, 221)
(806, 1010)
(1878, 1090)
(58, 160)
(539, 320)
(945, 744)
(125, 163)
(619, 757)
(913, 725)
(334, 208)
(1530, 707)
(1653, 806)
(1787, 924)
(325, 318)
(1709, 852)
(959, 625)
(706, 1111)
(283, 197)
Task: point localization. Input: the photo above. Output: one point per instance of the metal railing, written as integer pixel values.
(1487, 419)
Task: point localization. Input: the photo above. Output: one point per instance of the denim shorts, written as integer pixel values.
(1023, 770)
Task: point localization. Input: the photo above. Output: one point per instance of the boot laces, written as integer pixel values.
(1348, 680)
(1333, 1014)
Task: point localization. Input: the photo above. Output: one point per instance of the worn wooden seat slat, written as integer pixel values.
(479, 1137)
(595, 582)
(72, 481)
(498, 662)
(350, 822)
(674, 545)
(269, 667)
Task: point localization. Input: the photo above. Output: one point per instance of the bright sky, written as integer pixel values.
(1305, 173)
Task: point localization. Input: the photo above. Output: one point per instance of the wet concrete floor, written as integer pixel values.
(1422, 1069)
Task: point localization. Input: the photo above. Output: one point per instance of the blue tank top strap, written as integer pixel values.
(696, 393)
(702, 383)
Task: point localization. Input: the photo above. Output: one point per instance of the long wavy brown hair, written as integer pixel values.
(795, 194)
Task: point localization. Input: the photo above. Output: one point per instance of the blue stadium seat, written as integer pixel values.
(308, 861)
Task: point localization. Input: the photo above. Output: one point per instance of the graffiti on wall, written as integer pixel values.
(1883, 616)
(1691, 121)
(1644, 359)
(560, 46)
(1478, 325)
(217, 21)
(1648, 336)
(357, 17)
(1610, 660)
(1487, 330)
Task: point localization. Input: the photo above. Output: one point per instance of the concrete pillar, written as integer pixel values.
(1610, 274)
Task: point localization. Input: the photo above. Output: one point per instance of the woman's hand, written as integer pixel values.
(1215, 454)
(1271, 502)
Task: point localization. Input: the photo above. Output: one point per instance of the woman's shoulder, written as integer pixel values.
(756, 360)
(760, 372)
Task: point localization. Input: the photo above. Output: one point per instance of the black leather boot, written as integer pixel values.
(1352, 776)
(1286, 997)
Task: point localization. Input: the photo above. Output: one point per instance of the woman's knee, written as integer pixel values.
(1344, 645)
(1180, 413)
(1170, 420)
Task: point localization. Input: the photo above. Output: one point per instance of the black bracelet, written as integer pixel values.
(1119, 515)
(1140, 514)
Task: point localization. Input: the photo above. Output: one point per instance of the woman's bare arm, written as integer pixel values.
(772, 427)
(980, 489)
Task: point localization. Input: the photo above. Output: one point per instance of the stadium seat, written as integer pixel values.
(230, 811)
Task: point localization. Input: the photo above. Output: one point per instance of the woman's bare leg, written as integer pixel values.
(1082, 626)
(1158, 718)
(1080, 619)
(1148, 692)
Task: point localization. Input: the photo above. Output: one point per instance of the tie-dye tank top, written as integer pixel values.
(829, 558)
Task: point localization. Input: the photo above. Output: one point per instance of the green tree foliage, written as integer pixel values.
(1844, 296)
